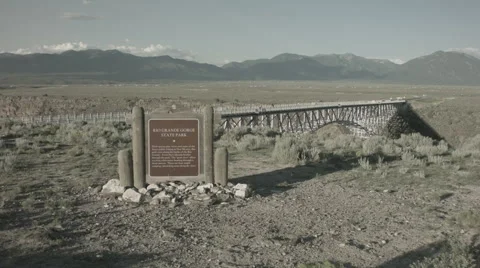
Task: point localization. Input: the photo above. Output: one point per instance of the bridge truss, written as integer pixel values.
(363, 118)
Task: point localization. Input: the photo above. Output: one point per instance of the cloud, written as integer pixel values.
(156, 50)
(150, 50)
(127, 40)
(56, 48)
(468, 50)
(78, 16)
(397, 61)
(87, 2)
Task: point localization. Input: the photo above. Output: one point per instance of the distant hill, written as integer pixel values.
(353, 64)
(106, 65)
(447, 68)
(450, 68)
(288, 66)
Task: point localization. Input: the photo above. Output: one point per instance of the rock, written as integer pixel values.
(147, 198)
(242, 190)
(155, 202)
(154, 187)
(191, 185)
(241, 186)
(214, 190)
(132, 196)
(163, 197)
(173, 205)
(170, 189)
(202, 197)
(143, 191)
(203, 188)
(181, 187)
(223, 197)
(113, 187)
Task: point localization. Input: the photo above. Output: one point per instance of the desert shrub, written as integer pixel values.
(325, 264)
(292, 150)
(435, 159)
(344, 142)
(21, 143)
(373, 145)
(380, 162)
(8, 161)
(410, 159)
(471, 147)
(432, 150)
(364, 163)
(251, 142)
(419, 174)
(453, 255)
(103, 135)
(413, 141)
(236, 134)
(403, 170)
(391, 149)
(233, 136)
(408, 156)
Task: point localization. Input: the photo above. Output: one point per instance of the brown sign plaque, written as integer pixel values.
(173, 147)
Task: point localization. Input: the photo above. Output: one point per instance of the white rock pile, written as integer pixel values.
(178, 193)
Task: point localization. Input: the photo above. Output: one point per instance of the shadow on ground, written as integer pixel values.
(56, 259)
(281, 180)
(407, 259)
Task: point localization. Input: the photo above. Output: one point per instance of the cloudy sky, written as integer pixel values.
(218, 31)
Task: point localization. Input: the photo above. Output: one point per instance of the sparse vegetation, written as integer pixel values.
(8, 161)
(57, 166)
(364, 163)
(325, 264)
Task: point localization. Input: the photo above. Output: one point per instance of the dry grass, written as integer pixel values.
(410, 154)
(470, 148)
(8, 161)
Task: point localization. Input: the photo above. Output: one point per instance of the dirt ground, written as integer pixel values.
(51, 214)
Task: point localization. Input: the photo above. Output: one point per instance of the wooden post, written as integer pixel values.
(125, 167)
(208, 144)
(138, 144)
(221, 166)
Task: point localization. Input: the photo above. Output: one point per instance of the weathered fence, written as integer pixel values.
(70, 118)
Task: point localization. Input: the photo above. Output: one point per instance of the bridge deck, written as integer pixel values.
(281, 108)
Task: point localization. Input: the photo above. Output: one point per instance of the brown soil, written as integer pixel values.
(52, 216)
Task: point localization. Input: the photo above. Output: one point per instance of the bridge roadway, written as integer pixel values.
(227, 112)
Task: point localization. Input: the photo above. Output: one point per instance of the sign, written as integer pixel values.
(174, 147)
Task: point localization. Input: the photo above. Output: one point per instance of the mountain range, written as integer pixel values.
(93, 65)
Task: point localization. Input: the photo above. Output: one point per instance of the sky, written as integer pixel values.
(220, 31)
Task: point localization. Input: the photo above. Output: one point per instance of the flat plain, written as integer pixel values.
(361, 203)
